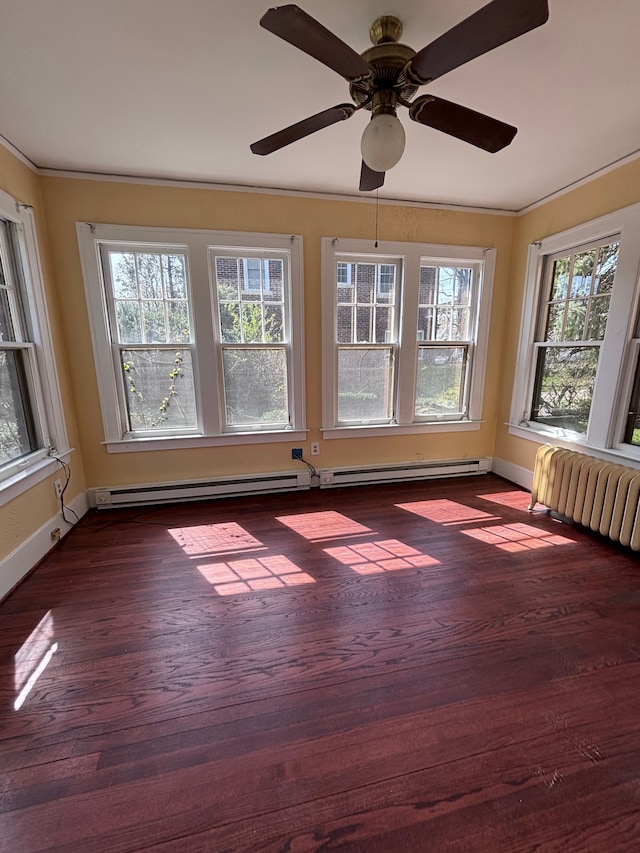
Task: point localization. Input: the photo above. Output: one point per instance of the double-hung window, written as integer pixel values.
(571, 329)
(405, 336)
(152, 337)
(252, 322)
(197, 335)
(446, 331)
(31, 420)
(576, 375)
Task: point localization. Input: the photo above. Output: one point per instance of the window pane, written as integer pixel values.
(555, 322)
(252, 331)
(364, 384)
(230, 323)
(255, 382)
(366, 280)
(386, 283)
(607, 263)
(227, 278)
(178, 316)
(460, 324)
(274, 323)
(443, 324)
(425, 324)
(560, 280)
(564, 386)
(129, 322)
(275, 290)
(159, 389)
(345, 324)
(363, 324)
(440, 380)
(579, 312)
(154, 323)
(576, 318)
(6, 326)
(598, 318)
(251, 299)
(445, 292)
(17, 434)
(383, 331)
(149, 275)
(174, 275)
(582, 273)
(123, 275)
(150, 297)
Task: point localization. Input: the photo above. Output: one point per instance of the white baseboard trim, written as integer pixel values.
(19, 563)
(521, 476)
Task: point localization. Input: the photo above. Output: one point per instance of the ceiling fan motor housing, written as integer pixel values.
(387, 60)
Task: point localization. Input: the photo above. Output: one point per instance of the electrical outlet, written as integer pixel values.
(296, 453)
(315, 448)
(55, 535)
(57, 485)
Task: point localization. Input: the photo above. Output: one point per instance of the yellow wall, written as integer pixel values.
(60, 202)
(24, 515)
(70, 200)
(611, 192)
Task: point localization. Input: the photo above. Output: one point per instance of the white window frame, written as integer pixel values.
(412, 257)
(44, 386)
(614, 375)
(207, 367)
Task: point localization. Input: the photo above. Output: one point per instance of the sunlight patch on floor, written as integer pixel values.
(318, 526)
(386, 555)
(33, 657)
(515, 499)
(251, 574)
(214, 539)
(517, 537)
(446, 512)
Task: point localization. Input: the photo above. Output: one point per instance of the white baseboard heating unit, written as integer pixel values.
(401, 472)
(600, 495)
(194, 490)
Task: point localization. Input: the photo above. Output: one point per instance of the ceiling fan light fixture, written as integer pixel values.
(383, 142)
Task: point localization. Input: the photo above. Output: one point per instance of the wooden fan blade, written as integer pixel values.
(302, 31)
(496, 23)
(370, 180)
(465, 124)
(303, 128)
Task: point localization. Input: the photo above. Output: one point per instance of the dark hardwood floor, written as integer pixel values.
(416, 667)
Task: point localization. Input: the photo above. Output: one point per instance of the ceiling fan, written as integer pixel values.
(388, 74)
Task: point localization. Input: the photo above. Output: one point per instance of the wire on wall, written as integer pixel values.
(63, 507)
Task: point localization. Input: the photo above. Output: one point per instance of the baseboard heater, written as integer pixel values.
(598, 494)
(335, 477)
(193, 490)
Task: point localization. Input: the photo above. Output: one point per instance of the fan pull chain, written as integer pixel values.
(377, 205)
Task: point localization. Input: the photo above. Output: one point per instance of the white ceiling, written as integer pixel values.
(178, 89)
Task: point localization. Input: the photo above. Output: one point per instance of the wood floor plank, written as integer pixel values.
(452, 673)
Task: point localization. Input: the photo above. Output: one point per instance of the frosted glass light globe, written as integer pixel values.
(383, 142)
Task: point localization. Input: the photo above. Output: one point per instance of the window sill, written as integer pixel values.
(376, 430)
(35, 473)
(136, 445)
(622, 456)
